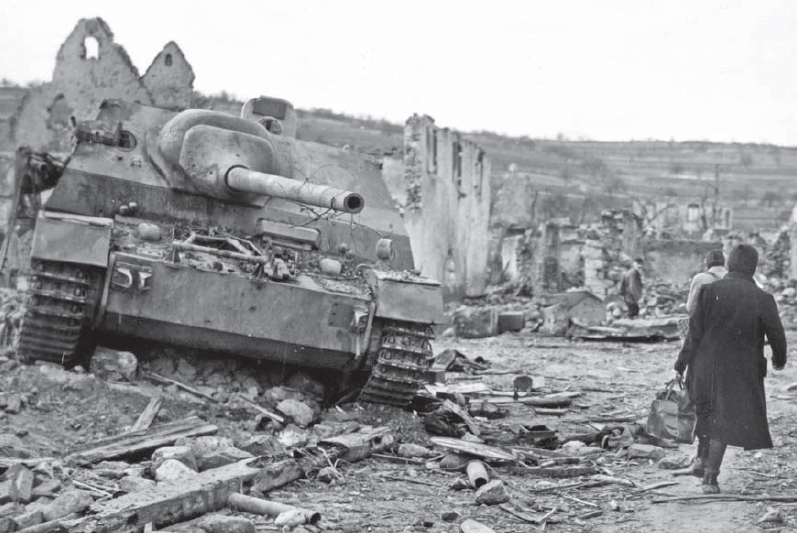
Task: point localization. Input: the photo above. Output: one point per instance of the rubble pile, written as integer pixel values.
(205, 445)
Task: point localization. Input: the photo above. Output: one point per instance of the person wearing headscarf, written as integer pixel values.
(723, 355)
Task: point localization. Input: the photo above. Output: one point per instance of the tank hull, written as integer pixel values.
(208, 231)
(225, 312)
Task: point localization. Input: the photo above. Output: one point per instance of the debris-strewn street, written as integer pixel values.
(189, 439)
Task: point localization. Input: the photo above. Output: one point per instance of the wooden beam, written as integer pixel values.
(148, 415)
(142, 441)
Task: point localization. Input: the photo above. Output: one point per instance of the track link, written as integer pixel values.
(62, 301)
(399, 369)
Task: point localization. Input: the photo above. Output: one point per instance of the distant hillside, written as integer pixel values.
(758, 180)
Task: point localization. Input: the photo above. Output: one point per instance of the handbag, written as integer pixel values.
(672, 414)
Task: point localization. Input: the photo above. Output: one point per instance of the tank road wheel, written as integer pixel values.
(399, 367)
(62, 301)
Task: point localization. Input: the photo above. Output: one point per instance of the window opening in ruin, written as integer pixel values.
(168, 60)
(692, 213)
(457, 162)
(431, 151)
(91, 48)
(727, 219)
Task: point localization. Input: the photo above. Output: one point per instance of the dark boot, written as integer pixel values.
(710, 485)
(716, 451)
(699, 464)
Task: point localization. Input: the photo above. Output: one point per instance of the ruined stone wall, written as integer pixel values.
(447, 209)
(170, 78)
(675, 261)
(89, 69)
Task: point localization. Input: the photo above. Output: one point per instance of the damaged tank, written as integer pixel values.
(225, 233)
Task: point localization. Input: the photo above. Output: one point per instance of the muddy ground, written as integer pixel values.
(618, 381)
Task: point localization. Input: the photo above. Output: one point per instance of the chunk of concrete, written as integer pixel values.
(222, 457)
(12, 446)
(492, 493)
(184, 454)
(172, 470)
(71, 501)
(113, 365)
(293, 436)
(476, 322)
(22, 485)
(27, 519)
(299, 412)
(6, 492)
(46, 489)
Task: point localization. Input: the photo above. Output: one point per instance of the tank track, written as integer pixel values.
(61, 304)
(399, 368)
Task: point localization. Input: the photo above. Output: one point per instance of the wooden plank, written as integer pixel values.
(167, 503)
(168, 381)
(141, 441)
(484, 451)
(147, 416)
(205, 492)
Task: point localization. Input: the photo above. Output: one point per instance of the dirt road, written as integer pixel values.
(618, 380)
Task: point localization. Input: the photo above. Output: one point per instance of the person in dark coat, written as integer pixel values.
(724, 355)
(631, 287)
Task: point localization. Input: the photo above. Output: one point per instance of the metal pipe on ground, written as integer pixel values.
(269, 508)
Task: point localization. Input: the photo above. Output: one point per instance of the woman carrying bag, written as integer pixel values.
(724, 355)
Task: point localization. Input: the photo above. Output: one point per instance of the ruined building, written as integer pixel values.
(89, 69)
(442, 182)
(443, 185)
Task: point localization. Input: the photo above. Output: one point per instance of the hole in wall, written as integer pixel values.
(168, 60)
(91, 48)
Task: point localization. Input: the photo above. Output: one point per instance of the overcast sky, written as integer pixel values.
(603, 70)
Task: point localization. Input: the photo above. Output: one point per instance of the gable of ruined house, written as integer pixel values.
(170, 78)
(91, 68)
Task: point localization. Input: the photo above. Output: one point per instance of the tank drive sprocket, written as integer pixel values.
(62, 302)
(399, 367)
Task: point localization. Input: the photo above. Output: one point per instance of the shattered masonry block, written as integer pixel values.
(172, 470)
(184, 454)
(113, 365)
(6, 492)
(22, 485)
(25, 520)
(476, 322)
(492, 493)
(71, 501)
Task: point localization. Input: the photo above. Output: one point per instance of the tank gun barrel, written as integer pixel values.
(245, 180)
